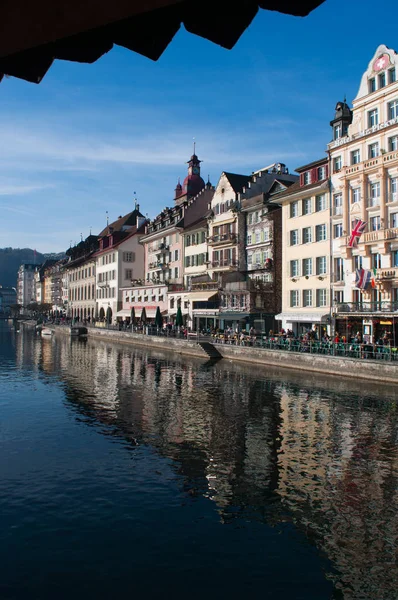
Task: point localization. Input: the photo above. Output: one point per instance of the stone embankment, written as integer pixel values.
(374, 370)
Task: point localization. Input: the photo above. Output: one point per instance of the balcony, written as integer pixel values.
(162, 248)
(371, 163)
(380, 235)
(386, 274)
(383, 306)
(225, 238)
(205, 285)
(224, 263)
(373, 201)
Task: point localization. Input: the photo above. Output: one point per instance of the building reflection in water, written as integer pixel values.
(260, 443)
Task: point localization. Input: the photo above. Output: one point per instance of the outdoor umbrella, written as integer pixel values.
(132, 315)
(158, 318)
(108, 315)
(143, 315)
(179, 321)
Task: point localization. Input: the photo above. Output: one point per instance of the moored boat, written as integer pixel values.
(78, 331)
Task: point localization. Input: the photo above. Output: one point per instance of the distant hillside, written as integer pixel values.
(12, 258)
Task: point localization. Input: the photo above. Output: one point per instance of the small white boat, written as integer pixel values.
(46, 331)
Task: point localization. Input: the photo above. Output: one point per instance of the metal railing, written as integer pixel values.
(385, 306)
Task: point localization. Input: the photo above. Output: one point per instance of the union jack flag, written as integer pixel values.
(356, 233)
(363, 278)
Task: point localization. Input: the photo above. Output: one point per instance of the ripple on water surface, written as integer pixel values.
(128, 471)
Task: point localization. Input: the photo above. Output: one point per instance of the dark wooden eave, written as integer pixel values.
(35, 33)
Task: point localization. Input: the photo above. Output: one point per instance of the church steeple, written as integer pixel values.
(193, 182)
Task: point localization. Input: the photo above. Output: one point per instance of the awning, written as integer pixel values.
(33, 34)
(125, 312)
(303, 317)
(234, 316)
(202, 296)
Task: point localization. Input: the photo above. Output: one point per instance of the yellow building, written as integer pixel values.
(364, 186)
(306, 251)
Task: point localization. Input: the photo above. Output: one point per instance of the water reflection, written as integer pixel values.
(262, 444)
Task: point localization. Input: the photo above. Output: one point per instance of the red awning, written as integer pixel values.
(34, 33)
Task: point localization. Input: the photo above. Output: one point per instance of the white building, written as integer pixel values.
(119, 261)
(26, 284)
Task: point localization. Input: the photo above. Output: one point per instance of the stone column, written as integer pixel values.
(364, 197)
(383, 197)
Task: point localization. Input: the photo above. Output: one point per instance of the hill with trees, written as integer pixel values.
(12, 258)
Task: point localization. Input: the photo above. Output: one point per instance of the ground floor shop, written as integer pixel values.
(370, 328)
(306, 322)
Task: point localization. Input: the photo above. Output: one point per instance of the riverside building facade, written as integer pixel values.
(364, 188)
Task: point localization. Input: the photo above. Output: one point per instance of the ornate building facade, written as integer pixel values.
(364, 188)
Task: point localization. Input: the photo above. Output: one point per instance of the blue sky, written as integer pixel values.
(89, 136)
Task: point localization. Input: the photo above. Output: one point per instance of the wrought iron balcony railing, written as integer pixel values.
(382, 306)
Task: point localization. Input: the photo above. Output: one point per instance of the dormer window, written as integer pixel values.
(307, 177)
(321, 173)
(382, 79)
(337, 131)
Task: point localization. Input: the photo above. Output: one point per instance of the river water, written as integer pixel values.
(135, 473)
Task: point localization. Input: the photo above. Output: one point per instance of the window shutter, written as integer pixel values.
(301, 179)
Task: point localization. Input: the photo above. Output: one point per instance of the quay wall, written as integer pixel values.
(373, 370)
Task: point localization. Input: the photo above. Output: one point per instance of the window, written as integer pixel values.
(320, 203)
(355, 195)
(266, 236)
(306, 206)
(307, 266)
(338, 297)
(393, 109)
(357, 262)
(373, 117)
(393, 143)
(321, 297)
(258, 239)
(176, 272)
(176, 255)
(372, 85)
(321, 172)
(337, 164)
(337, 230)
(294, 298)
(338, 204)
(374, 199)
(188, 240)
(391, 75)
(375, 223)
(294, 237)
(376, 261)
(373, 150)
(320, 265)
(355, 157)
(338, 269)
(320, 233)
(393, 189)
(294, 268)
(382, 80)
(337, 131)
(307, 235)
(307, 297)
(294, 209)
(128, 256)
(307, 177)
(394, 219)
(249, 239)
(394, 259)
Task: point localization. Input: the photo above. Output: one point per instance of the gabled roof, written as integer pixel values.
(129, 219)
(313, 164)
(238, 182)
(296, 188)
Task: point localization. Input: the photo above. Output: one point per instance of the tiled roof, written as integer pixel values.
(311, 165)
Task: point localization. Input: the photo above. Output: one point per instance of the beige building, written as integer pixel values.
(306, 250)
(364, 184)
